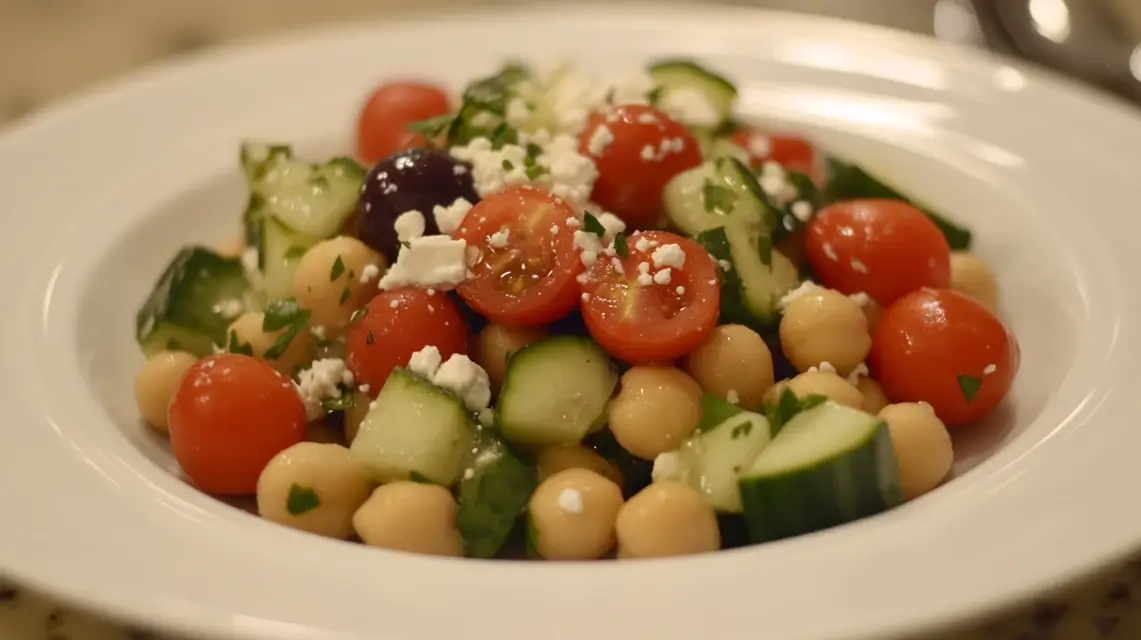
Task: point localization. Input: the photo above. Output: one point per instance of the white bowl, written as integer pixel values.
(100, 192)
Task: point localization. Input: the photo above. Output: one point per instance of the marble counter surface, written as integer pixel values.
(51, 48)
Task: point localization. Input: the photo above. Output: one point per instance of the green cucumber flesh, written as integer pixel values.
(192, 304)
(718, 193)
(555, 391)
(414, 429)
(493, 494)
(830, 464)
(280, 250)
(757, 278)
(680, 82)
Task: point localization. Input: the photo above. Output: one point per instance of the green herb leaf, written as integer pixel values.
(345, 294)
(431, 127)
(590, 224)
(765, 249)
(416, 476)
(742, 429)
(283, 313)
(620, 246)
(319, 182)
(301, 500)
(535, 171)
(507, 166)
(294, 252)
(716, 197)
(969, 385)
(358, 315)
(342, 402)
(503, 135)
(788, 406)
(338, 269)
(237, 346)
(715, 410)
(405, 244)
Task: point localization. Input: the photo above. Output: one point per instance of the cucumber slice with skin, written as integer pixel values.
(714, 411)
(192, 304)
(555, 391)
(493, 493)
(710, 461)
(693, 94)
(414, 430)
(750, 289)
(280, 250)
(718, 193)
(830, 464)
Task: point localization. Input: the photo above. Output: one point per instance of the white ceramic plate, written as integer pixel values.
(99, 193)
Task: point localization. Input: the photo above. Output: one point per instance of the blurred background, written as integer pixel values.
(49, 48)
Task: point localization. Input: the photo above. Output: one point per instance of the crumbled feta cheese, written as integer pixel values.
(823, 367)
(806, 288)
(858, 266)
(802, 209)
(690, 106)
(643, 244)
(725, 265)
(829, 251)
(645, 279)
(409, 225)
(732, 397)
(567, 173)
(430, 261)
(860, 298)
(586, 297)
(775, 183)
(459, 170)
(665, 147)
(570, 500)
(599, 140)
(669, 255)
(554, 229)
(469, 473)
(648, 118)
(760, 145)
(364, 388)
(394, 304)
(390, 189)
(323, 379)
(369, 272)
(589, 245)
(318, 331)
(486, 417)
(250, 259)
(647, 153)
(854, 377)
(498, 239)
(662, 277)
(680, 290)
(635, 89)
(467, 380)
(573, 223)
(611, 223)
(644, 268)
(989, 369)
(667, 466)
(229, 308)
(517, 114)
(425, 362)
(617, 264)
(448, 218)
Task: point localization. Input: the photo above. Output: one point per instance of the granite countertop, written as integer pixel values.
(64, 45)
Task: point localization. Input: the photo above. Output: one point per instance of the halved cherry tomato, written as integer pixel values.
(643, 322)
(522, 257)
(885, 248)
(386, 332)
(789, 151)
(943, 348)
(230, 415)
(637, 150)
(383, 121)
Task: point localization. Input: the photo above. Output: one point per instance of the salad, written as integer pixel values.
(575, 317)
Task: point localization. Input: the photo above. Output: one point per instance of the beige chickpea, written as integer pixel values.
(573, 514)
(973, 277)
(247, 329)
(331, 281)
(555, 459)
(314, 487)
(666, 519)
(496, 342)
(874, 398)
(922, 446)
(410, 516)
(733, 361)
(655, 410)
(825, 327)
(156, 383)
(355, 414)
(820, 383)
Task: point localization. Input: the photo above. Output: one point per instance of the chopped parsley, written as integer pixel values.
(237, 346)
(432, 127)
(590, 224)
(284, 315)
(716, 197)
(343, 402)
(620, 247)
(294, 252)
(969, 385)
(416, 476)
(358, 315)
(507, 165)
(742, 429)
(345, 294)
(301, 500)
(788, 406)
(338, 269)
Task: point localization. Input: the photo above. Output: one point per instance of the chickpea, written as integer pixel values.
(328, 282)
(655, 410)
(410, 516)
(496, 342)
(247, 329)
(825, 327)
(819, 383)
(573, 514)
(973, 277)
(156, 383)
(355, 414)
(733, 360)
(874, 398)
(313, 487)
(666, 519)
(555, 459)
(922, 446)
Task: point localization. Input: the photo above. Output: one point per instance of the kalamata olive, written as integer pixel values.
(413, 179)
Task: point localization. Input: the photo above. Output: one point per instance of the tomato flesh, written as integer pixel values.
(230, 415)
(943, 348)
(522, 258)
(382, 126)
(642, 322)
(396, 324)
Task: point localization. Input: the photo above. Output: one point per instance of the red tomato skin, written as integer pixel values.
(383, 119)
(533, 212)
(230, 415)
(792, 152)
(885, 248)
(384, 337)
(651, 339)
(930, 337)
(629, 185)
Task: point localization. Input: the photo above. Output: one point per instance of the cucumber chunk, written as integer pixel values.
(829, 464)
(692, 93)
(555, 391)
(751, 288)
(195, 299)
(721, 192)
(280, 250)
(492, 495)
(710, 460)
(414, 429)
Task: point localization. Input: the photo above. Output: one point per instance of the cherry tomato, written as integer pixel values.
(647, 323)
(229, 416)
(943, 348)
(383, 121)
(525, 262)
(392, 326)
(644, 149)
(885, 248)
(791, 152)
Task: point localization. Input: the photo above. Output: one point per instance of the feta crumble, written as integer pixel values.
(409, 226)
(663, 277)
(807, 287)
(861, 370)
(457, 374)
(732, 397)
(989, 369)
(323, 379)
(370, 272)
(566, 173)
(448, 218)
(499, 239)
(430, 261)
(570, 501)
(823, 367)
(599, 140)
(802, 210)
(691, 107)
(669, 255)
